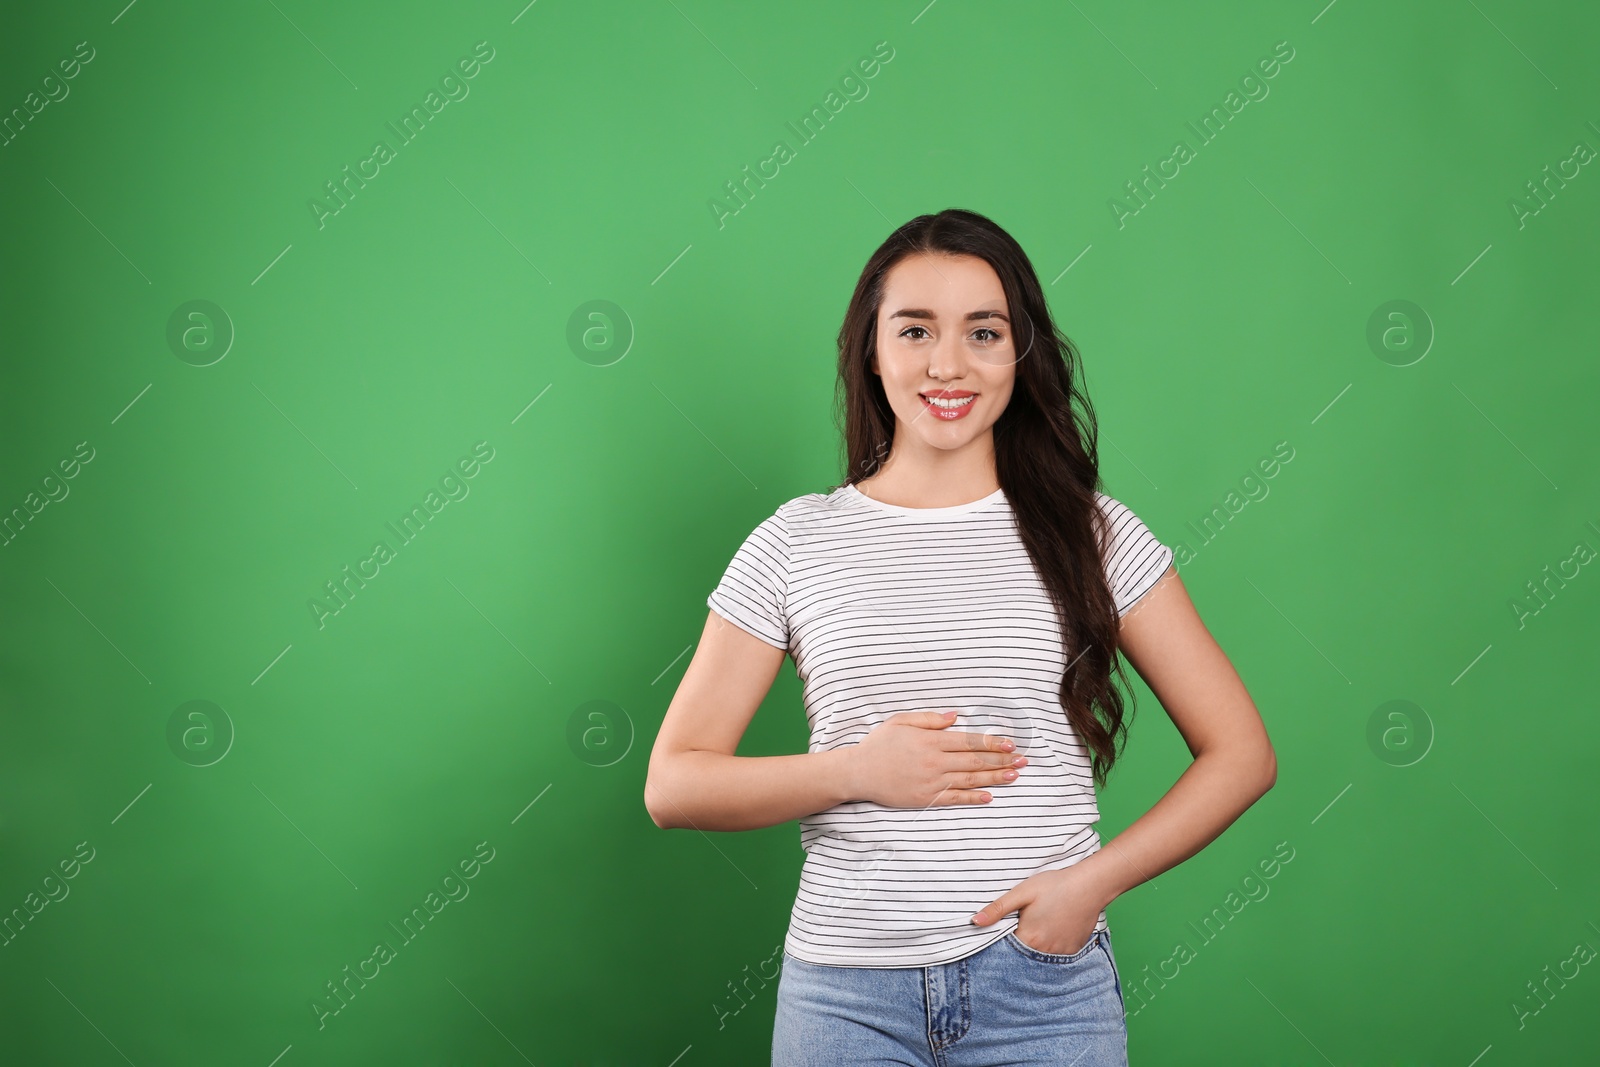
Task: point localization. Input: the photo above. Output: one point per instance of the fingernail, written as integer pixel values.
(950, 714)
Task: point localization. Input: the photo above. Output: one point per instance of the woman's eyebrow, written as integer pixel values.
(924, 313)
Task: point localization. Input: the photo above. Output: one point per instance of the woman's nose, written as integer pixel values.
(949, 359)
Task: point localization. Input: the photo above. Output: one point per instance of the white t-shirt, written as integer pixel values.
(886, 609)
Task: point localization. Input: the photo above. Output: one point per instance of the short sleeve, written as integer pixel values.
(754, 588)
(1134, 559)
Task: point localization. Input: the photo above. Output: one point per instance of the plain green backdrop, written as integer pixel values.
(492, 688)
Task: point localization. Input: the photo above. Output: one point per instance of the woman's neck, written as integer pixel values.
(929, 488)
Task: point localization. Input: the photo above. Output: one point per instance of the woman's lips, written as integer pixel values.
(949, 414)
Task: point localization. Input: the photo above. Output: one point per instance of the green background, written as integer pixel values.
(1438, 868)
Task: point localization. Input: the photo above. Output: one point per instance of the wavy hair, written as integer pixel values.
(1045, 455)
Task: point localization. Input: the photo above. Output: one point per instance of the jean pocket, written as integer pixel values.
(1053, 957)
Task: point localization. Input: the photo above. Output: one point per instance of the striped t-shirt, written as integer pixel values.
(885, 609)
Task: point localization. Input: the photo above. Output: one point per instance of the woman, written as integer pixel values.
(954, 610)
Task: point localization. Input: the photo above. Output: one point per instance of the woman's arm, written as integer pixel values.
(1165, 641)
(696, 782)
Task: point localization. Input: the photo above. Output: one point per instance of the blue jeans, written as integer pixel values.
(1004, 1004)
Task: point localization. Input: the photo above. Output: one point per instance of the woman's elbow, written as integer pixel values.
(655, 816)
(1269, 775)
(654, 803)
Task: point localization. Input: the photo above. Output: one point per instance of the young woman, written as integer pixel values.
(955, 610)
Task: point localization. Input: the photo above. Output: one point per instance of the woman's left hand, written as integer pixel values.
(1058, 911)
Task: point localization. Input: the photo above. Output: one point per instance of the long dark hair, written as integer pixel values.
(1045, 455)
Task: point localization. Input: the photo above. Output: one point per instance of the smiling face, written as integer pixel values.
(945, 353)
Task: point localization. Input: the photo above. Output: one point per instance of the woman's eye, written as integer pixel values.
(986, 334)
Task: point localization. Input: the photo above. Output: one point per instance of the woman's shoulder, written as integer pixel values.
(808, 513)
(812, 505)
(800, 512)
(1113, 509)
(1128, 533)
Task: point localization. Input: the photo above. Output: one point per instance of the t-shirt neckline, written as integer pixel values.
(925, 513)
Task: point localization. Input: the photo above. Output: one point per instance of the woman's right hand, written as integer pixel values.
(912, 760)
